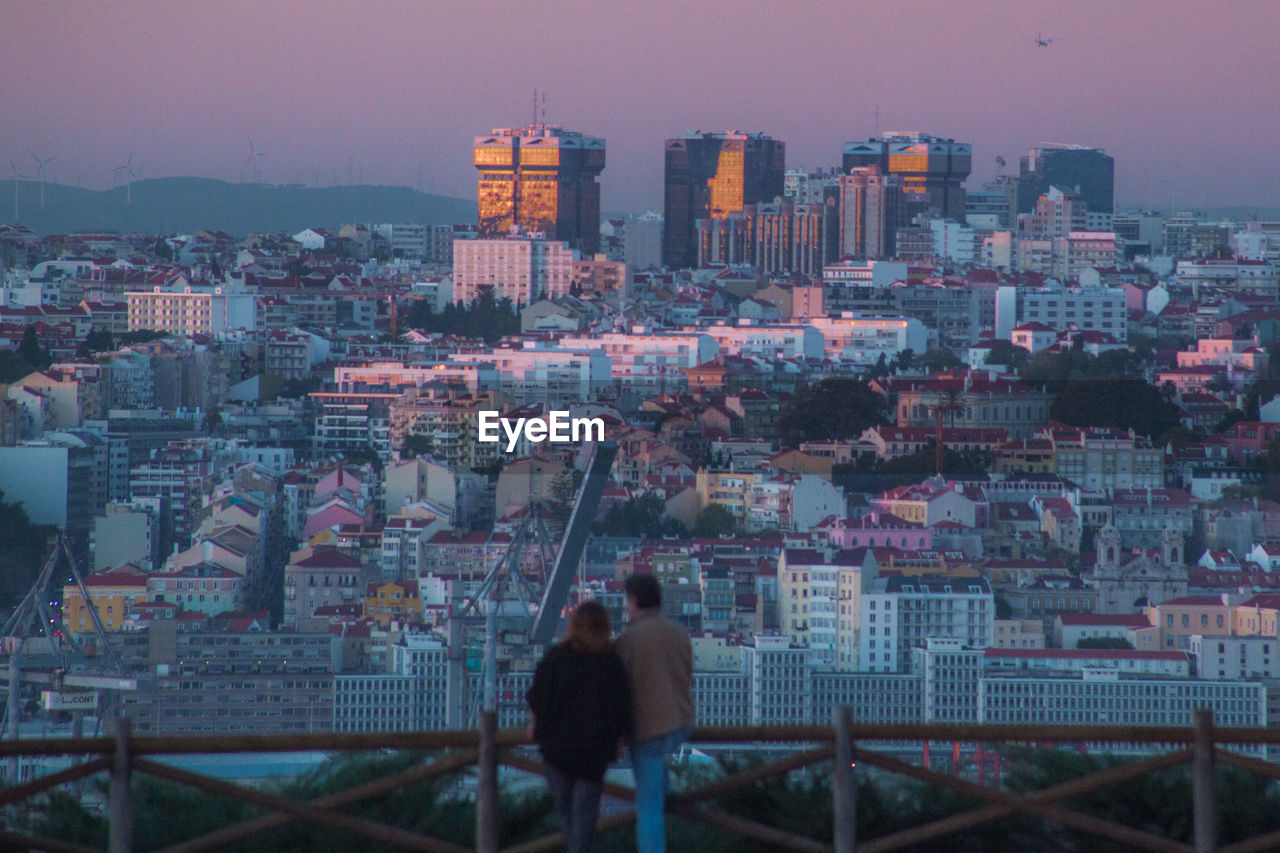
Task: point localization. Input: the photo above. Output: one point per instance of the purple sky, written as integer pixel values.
(1182, 94)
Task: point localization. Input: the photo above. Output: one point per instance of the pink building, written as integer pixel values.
(880, 529)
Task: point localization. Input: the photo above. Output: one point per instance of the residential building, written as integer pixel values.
(316, 578)
(1104, 459)
(900, 613)
(113, 593)
(521, 267)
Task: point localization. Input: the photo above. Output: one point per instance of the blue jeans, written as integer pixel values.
(649, 763)
(578, 807)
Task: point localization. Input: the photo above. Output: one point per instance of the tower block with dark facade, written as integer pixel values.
(932, 169)
(541, 178)
(710, 176)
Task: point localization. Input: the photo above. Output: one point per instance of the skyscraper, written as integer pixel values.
(710, 175)
(1088, 171)
(932, 169)
(541, 178)
(872, 209)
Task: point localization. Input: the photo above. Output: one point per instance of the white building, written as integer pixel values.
(1166, 664)
(1253, 658)
(1082, 250)
(899, 613)
(781, 692)
(864, 273)
(773, 341)
(413, 241)
(1256, 276)
(542, 374)
(861, 339)
(186, 310)
(412, 695)
(791, 502)
(396, 375)
(957, 242)
(1104, 697)
(642, 242)
(311, 239)
(646, 361)
(1101, 309)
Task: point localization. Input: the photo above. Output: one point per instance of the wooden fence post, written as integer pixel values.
(119, 806)
(844, 792)
(487, 785)
(1204, 806)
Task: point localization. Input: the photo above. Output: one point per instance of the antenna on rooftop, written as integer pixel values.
(544, 107)
(533, 115)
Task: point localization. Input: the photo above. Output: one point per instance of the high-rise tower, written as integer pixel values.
(932, 169)
(872, 209)
(541, 178)
(711, 175)
(1088, 171)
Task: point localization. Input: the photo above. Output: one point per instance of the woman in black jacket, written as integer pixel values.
(581, 711)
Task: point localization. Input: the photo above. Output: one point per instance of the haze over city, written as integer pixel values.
(393, 94)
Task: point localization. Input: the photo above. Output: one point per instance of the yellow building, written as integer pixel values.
(114, 593)
(1024, 456)
(178, 310)
(729, 489)
(393, 600)
(1178, 619)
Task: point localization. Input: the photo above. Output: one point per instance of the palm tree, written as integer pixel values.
(946, 403)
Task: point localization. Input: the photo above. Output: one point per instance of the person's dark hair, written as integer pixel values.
(645, 589)
(589, 629)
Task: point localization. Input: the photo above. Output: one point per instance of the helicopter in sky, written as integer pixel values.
(1041, 41)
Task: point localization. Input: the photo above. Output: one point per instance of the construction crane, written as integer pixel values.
(50, 662)
(505, 600)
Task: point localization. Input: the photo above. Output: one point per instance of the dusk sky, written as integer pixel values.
(1182, 94)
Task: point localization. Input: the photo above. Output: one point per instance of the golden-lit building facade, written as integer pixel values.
(114, 592)
(540, 178)
(932, 169)
(712, 176)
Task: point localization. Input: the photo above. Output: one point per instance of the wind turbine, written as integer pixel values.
(40, 171)
(253, 152)
(127, 168)
(16, 175)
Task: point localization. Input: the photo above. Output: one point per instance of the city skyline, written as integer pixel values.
(228, 93)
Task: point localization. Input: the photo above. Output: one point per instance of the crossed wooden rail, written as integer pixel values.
(120, 754)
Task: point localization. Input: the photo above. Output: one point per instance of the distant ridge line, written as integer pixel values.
(185, 204)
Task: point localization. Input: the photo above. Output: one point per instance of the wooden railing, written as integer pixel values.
(121, 754)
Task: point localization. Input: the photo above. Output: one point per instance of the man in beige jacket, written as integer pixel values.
(658, 657)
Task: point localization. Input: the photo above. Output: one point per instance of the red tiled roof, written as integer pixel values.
(1119, 620)
(1084, 654)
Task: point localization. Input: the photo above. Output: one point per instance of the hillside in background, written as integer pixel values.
(183, 205)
